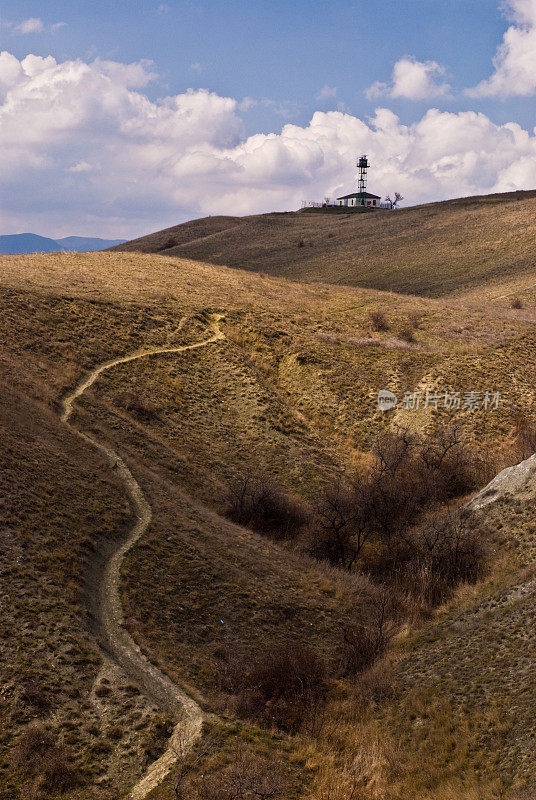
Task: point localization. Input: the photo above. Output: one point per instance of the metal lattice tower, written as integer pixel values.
(362, 166)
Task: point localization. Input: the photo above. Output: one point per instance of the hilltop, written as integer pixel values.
(429, 250)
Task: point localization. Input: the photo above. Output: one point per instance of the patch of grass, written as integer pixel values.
(292, 390)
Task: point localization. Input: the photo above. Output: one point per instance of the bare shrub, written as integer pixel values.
(452, 463)
(449, 550)
(402, 487)
(366, 638)
(342, 523)
(140, 408)
(247, 777)
(371, 519)
(406, 333)
(258, 504)
(283, 686)
(37, 756)
(516, 303)
(378, 321)
(33, 693)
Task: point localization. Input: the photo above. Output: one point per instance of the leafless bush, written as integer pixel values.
(258, 504)
(449, 550)
(283, 686)
(247, 777)
(370, 520)
(39, 758)
(33, 693)
(516, 303)
(140, 408)
(378, 321)
(342, 522)
(366, 638)
(451, 461)
(406, 333)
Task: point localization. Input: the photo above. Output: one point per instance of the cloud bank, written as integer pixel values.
(83, 150)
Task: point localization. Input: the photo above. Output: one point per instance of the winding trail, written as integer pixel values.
(117, 642)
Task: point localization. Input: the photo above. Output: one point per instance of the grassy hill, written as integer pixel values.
(291, 391)
(429, 250)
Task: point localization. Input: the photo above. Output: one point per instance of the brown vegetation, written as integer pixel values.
(258, 504)
(418, 250)
(298, 407)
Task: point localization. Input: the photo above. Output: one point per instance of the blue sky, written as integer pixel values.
(285, 52)
(280, 63)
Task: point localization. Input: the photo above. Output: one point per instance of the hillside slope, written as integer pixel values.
(291, 390)
(429, 250)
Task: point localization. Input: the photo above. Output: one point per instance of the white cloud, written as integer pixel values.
(82, 149)
(196, 67)
(327, 93)
(31, 25)
(412, 80)
(132, 76)
(515, 60)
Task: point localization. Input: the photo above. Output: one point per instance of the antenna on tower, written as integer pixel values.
(362, 165)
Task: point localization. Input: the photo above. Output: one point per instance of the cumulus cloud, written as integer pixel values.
(515, 60)
(412, 80)
(132, 76)
(84, 150)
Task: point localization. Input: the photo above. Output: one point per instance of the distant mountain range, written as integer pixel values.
(32, 243)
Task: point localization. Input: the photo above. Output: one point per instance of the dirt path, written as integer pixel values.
(117, 642)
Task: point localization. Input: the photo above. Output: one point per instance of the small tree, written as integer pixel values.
(256, 503)
(394, 203)
(367, 637)
(343, 522)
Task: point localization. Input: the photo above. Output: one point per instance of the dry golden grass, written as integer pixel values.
(292, 390)
(427, 250)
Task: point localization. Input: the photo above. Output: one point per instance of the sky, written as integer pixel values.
(120, 118)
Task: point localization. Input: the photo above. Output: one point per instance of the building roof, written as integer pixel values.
(368, 195)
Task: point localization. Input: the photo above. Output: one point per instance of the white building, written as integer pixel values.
(359, 199)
